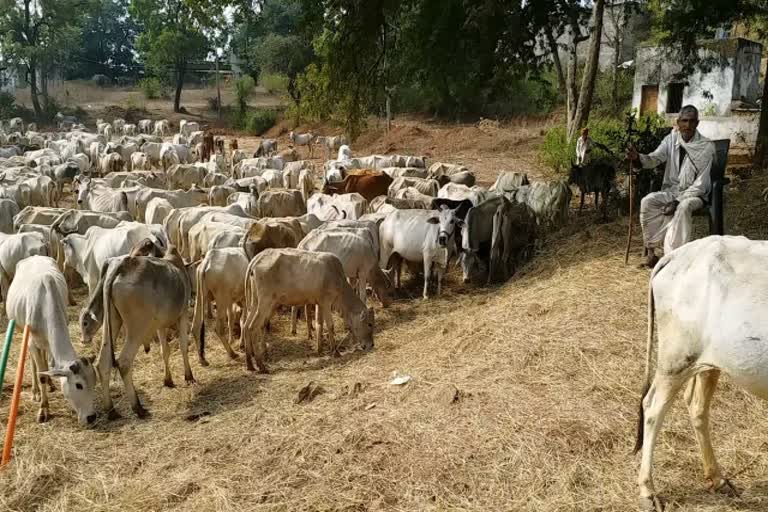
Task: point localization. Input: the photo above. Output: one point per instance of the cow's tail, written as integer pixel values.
(648, 353)
(199, 312)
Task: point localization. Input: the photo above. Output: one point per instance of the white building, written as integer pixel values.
(726, 92)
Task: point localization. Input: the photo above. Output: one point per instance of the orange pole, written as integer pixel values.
(14, 410)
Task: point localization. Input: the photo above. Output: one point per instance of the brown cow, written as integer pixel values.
(368, 185)
(219, 143)
(267, 235)
(207, 147)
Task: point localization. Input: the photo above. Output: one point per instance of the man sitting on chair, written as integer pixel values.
(667, 216)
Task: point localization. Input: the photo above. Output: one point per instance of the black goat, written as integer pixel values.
(595, 177)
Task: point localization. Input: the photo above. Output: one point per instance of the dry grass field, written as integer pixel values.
(523, 395)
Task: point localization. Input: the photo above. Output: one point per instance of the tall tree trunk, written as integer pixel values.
(44, 86)
(33, 88)
(571, 92)
(180, 70)
(590, 72)
(615, 84)
(761, 144)
(556, 59)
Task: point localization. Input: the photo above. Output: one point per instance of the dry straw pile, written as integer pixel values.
(523, 397)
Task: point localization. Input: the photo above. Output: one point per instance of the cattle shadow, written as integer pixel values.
(225, 393)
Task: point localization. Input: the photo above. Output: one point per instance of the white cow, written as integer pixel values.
(38, 299)
(145, 126)
(98, 198)
(87, 253)
(357, 255)
(140, 161)
(419, 236)
(162, 128)
(709, 298)
(302, 139)
(157, 210)
(13, 249)
(219, 274)
(168, 157)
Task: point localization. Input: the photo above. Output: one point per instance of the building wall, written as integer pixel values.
(741, 128)
(654, 67)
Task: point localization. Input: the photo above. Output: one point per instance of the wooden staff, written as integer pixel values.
(631, 213)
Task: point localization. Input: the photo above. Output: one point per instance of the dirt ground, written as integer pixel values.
(523, 396)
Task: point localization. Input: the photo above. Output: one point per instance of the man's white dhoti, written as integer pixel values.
(673, 230)
(686, 180)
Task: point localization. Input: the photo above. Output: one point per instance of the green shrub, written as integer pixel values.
(243, 88)
(274, 83)
(259, 121)
(151, 87)
(7, 105)
(608, 132)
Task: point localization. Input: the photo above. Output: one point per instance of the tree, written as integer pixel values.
(284, 54)
(681, 28)
(172, 37)
(38, 34)
(107, 42)
(619, 13)
(584, 106)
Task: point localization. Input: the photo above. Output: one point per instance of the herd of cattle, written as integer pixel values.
(168, 220)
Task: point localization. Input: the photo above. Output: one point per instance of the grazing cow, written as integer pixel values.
(249, 201)
(140, 161)
(461, 178)
(442, 169)
(162, 128)
(406, 172)
(218, 194)
(87, 253)
(36, 215)
(549, 201)
(267, 147)
(145, 296)
(38, 299)
(281, 203)
(145, 126)
(8, 210)
(595, 177)
(306, 184)
(427, 187)
(709, 299)
(201, 234)
(118, 125)
(457, 192)
(21, 194)
(157, 210)
(208, 147)
(358, 256)
(185, 175)
(477, 236)
(179, 198)
(188, 127)
(302, 139)
(43, 191)
(13, 249)
(514, 236)
(368, 185)
(169, 157)
(111, 162)
(345, 153)
(419, 236)
(98, 198)
(219, 274)
(293, 277)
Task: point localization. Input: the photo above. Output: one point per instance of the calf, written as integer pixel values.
(595, 177)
